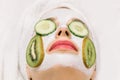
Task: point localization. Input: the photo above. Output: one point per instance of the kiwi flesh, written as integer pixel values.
(35, 51)
(88, 52)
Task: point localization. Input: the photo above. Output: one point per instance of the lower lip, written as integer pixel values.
(63, 45)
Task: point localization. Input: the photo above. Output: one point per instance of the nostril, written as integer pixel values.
(59, 33)
(30, 78)
(63, 32)
(66, 33)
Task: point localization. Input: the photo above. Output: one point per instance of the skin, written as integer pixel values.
(59, 71)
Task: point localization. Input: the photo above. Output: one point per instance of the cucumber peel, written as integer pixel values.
(78, 28)
(45, 27)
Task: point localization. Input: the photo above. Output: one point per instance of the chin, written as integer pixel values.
(59, 72)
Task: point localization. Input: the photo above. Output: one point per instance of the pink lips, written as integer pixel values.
(63, 45)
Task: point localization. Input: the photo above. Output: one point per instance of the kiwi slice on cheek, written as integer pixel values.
(88, 52)
(35, 51)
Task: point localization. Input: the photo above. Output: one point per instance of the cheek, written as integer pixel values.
(78, 41)
(47, 40)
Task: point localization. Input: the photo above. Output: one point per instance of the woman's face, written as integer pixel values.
(62, 49)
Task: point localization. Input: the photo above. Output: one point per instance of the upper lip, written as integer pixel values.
(58, 43)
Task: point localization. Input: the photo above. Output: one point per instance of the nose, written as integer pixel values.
(63, 32)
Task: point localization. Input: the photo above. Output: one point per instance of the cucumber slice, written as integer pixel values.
(35, 52)
(45, 27)
(78, 28)
(88, 52)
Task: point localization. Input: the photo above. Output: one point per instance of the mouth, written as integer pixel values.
(64, 46)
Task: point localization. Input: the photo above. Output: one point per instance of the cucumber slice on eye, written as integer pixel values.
(35, 52)
(78, 28)
(88, 52)
(45, 27)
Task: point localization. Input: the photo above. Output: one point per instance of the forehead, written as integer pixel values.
(61, 14)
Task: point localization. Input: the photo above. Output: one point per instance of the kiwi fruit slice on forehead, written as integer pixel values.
(35, 52)
(88, 52)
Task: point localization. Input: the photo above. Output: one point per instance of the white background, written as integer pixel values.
(104, 16)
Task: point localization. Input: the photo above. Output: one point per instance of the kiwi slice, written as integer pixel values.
(35, 52)
(88, 52)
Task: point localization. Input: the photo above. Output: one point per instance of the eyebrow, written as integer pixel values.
(77, 19)
(62, 7)
(51, 18)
